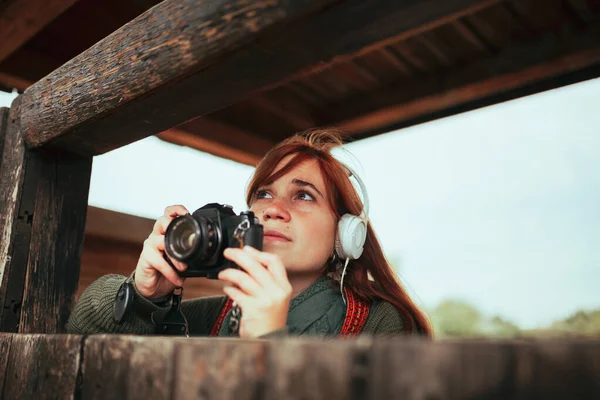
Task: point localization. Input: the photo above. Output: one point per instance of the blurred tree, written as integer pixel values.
(456, 318)
(582, 322)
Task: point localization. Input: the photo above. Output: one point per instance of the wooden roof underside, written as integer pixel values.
(396, 65)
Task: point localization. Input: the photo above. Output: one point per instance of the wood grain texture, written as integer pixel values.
(56, 242)
(413, 369)
(301, 369)
(5, 340)
(171, 60)
(20, 20)
(223, 369)
(127, 367)
(15, 222)
(155, 367)
(516, 67)
(44, 203)
(146, 60)
(42, 367)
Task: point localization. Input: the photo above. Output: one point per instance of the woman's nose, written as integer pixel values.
(276, 210)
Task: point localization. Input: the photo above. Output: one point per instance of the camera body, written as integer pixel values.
(199, 239)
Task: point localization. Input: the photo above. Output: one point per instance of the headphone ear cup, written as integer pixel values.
(351, 237)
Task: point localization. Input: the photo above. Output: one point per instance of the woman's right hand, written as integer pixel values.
(154, 277)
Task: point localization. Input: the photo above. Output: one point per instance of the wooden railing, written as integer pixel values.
(171, 64)
(134, 367)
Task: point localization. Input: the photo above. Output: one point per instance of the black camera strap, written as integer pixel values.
(174, 322)
(236, 311)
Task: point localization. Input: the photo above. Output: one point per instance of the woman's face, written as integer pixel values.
(299, 225)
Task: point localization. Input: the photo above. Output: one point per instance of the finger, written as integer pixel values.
(161, 224)
(238, 296)
(242, 280)
(175, 210)
(251, 265)
(158, 243)
(156, 261)
(273, 264)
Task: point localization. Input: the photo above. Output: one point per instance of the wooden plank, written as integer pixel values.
(223, 369)
(44, 202)
(220, 139)
(56, 243)
(484, 370)
(144, 83)
(315, 369)
(43, 366)
(20, 20)
(15, 224)
(108, 224)
(128, 367)
(5, 340)
(513, 68)
(418, 369)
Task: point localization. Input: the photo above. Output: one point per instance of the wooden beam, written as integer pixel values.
(44, 201)
(14, 82)
(219, 139)
(131, 367)
(23, 68)
(513, 68)
(178, 61)
(107, 224)
(20, 20)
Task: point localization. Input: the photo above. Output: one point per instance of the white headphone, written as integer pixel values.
(352, 231)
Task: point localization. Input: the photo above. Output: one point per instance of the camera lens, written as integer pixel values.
(190, 238)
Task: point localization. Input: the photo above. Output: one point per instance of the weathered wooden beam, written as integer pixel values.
(5, 341)
(20, 20)
(135, 367)
(43, 198)
(516, 67)
(178, 61)
(220, 139)
(41, 366)
(141, 368)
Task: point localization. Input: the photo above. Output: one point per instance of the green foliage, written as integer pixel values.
(459, 319)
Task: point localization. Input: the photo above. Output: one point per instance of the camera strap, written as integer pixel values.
(236, 311)
(174, 322)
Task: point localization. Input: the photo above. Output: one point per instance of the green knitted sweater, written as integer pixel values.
(93, 313)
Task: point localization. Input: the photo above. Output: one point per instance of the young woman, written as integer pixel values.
(311, 278)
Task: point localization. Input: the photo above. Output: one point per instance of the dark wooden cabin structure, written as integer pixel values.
(233, 77)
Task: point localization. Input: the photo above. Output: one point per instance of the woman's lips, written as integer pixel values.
(276, 236)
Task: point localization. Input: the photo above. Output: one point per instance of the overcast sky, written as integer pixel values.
(499, 206)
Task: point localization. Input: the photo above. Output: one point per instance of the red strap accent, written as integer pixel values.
(217, 326)
(356, 316)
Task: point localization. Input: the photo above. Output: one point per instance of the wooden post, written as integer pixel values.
(43, 198)
(42, 367)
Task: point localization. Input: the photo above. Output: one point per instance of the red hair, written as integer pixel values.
(343, 198)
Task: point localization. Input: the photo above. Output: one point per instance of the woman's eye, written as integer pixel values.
(262, 194)
(305, 196)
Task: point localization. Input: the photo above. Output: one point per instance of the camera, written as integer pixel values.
(199, 239)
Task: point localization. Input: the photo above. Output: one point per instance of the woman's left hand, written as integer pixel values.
(261, 289)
